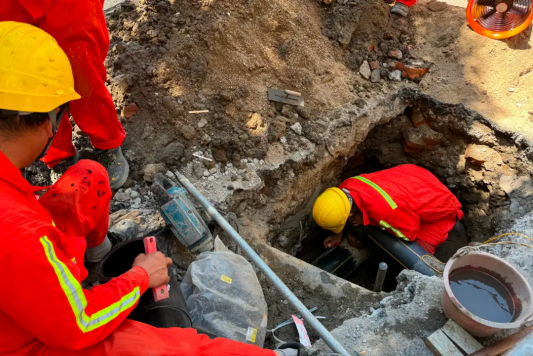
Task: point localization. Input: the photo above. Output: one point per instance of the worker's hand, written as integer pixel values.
(333, 240)
(156, 266)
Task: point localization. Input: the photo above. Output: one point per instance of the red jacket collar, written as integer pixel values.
(13, 176)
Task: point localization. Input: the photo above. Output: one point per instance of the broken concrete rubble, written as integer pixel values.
(364, 70)
(480, 154)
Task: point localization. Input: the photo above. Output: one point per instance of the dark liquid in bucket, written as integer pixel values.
(483, 295)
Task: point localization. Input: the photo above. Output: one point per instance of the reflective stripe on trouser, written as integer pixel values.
(396, 231)
(379, 190)
(76, 298)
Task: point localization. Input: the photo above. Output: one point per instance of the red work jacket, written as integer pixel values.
(406, 200)
(41, 270)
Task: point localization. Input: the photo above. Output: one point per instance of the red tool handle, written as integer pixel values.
(150, 246)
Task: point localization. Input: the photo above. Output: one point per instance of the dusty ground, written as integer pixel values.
(491, 77)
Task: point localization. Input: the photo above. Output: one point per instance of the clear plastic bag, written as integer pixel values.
(224, 296)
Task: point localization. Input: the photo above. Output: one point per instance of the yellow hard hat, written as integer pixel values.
(331, 210)
(35, 73)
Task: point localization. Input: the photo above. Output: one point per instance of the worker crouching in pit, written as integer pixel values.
(44, 310)
(407, 201)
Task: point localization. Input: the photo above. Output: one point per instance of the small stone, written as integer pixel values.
(130, 110)
(206, 139)
(122, 197)
(220, 155)
(417, 118)
(297, 128)
(209, 164)
(360, 103)
(172, 154)
(198, 172)
(206, 173)
(150, 170)
(276, 129)
(437, 6)
(127, 190)
(202, 123)
(136, 203)
(188, 132)
(172, 106)
(213, 170)
(374, 65)
(364, 70)
(511, 90)
(169, 174)
(211, 178)
(395, 75)
(230, 187)
(422, 137)
(375, 77)
(396, 54)
(134, 194)
(480, 154)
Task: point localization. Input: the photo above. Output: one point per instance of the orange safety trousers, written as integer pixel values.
(407, 2)
(43, 308)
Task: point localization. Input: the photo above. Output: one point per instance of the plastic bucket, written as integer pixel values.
(509, 276)
(171, 312)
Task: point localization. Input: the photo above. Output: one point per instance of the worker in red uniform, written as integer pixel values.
(80, 29)
(44, 310)
(407, 201)
(401, 8)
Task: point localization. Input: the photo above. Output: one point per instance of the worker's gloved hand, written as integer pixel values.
(291, 349)
(156, 266)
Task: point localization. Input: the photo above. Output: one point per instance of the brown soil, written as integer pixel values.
(490, 76)
(170, 59)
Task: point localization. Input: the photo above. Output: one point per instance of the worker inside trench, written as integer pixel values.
(465, 159)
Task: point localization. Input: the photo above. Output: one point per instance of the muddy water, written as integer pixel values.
(483, 295)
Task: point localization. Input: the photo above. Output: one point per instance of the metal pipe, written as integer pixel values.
(256, 259)
(380, 278)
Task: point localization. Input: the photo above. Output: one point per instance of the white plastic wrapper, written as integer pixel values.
(224, 296)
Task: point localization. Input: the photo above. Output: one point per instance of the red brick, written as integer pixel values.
(374, 65)
(130, 110)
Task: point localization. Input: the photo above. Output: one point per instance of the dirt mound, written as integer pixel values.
(172, 58)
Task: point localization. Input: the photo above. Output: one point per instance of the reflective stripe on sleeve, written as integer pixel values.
(396, 231)
(74, 293)
(379, 190)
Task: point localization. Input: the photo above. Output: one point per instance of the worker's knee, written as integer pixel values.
(91, 172)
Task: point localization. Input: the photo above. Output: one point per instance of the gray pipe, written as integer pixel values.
(278, 283)
(380, 278)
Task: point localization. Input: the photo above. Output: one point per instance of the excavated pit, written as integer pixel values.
(483, 166)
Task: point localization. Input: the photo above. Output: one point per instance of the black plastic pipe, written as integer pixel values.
(170, 312)
(409, 254)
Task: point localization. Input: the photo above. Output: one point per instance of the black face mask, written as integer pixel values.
(55, 118)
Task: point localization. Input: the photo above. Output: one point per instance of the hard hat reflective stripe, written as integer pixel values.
(396, 231)
(380, 191)
(76, 298)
